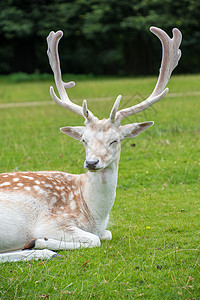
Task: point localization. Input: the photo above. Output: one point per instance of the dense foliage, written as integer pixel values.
(100, 37)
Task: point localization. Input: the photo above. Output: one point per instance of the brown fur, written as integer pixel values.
(61, 192)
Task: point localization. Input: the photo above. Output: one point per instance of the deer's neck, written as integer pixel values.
(99, 190)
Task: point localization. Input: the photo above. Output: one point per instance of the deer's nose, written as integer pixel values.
(91, 164)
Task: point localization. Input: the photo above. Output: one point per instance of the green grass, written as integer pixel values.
(155, 220)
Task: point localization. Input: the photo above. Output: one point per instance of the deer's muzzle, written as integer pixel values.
(91, 164)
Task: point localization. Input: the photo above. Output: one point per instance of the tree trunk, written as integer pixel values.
(138, 56)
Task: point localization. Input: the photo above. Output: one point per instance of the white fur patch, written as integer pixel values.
(15, 179)
(53, 200)
(48, 185)
(28, 177)
(5, 184)
(72, 205)
(27, 188)
(63, 199)
(71, 196)
(36, 188)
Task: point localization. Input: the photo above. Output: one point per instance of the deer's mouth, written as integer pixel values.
(93, 169)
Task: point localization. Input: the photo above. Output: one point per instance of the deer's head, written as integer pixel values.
(102, 138)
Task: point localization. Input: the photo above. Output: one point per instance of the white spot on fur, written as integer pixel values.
(63, 199)
(36, 188)
(27, 188)
(71, 197)
(53, 200)
(55, 194)
(76, 193)
(5, 176)
(37, 181)
(63, 194)
(72, 205)
(48, 185)
(28, 177)
(5, 184)
(44, 193)
(15, 179)
(20, 184)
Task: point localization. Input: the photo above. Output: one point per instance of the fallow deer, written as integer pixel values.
(52, 210)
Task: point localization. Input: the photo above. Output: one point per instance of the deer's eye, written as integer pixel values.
(113, 142)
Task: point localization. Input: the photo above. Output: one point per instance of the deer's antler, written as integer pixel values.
(64, 101)
(170, 57)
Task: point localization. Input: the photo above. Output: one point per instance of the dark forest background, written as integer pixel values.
(100, 37)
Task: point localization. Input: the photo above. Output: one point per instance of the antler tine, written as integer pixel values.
(115, 108)
(64, 101)
(170, 58)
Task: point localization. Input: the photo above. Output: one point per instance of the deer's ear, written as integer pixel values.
(132, 130)
(75, 132)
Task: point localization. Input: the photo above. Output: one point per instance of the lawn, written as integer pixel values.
(154, 253)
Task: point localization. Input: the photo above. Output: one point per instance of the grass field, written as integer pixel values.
(155, 220)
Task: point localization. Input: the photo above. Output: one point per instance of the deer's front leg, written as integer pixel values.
(76, 239)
